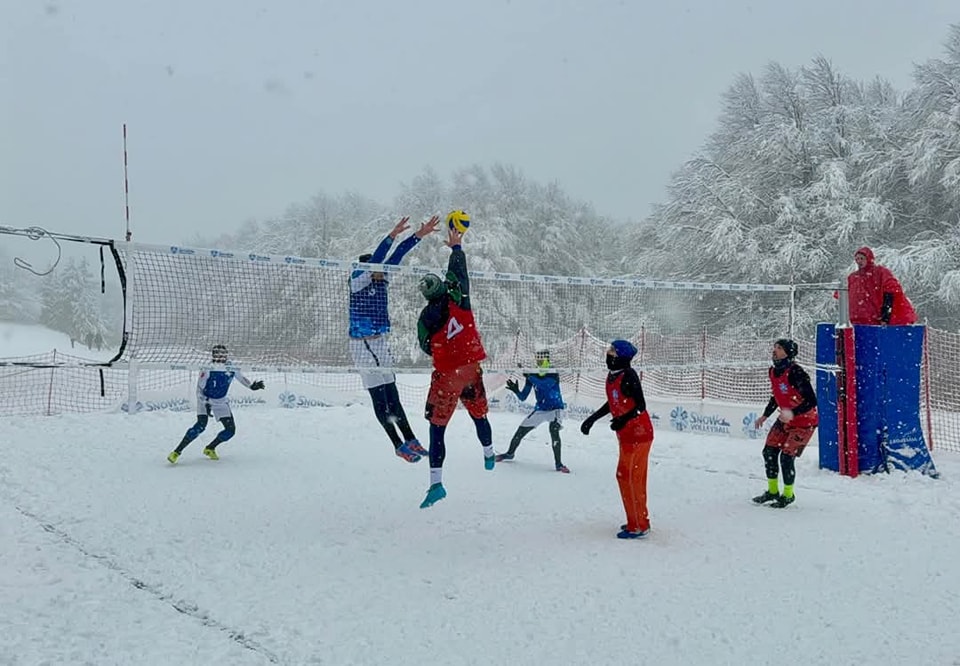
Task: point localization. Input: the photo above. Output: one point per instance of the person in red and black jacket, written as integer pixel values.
(448, 333)
(794, 396)
(626, 404)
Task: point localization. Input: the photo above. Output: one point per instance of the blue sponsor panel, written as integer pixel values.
(828, 431)
(888, 366)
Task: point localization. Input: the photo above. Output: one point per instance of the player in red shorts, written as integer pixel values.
(794, 396)
(448, 333)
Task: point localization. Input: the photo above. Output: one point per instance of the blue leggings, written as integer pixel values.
(229, 430)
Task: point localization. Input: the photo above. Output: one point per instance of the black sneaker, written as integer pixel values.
(783, 501)
(766, 497)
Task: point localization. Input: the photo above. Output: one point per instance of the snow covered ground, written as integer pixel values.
(304, 544)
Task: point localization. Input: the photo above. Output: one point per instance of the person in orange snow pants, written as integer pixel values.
(631, 421)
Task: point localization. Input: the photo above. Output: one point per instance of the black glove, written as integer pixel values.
(586, 425)
(618, 422)
(257, 385)
(886, 308)
(513, 385)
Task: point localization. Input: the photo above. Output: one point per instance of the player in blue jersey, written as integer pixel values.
(212, 388)
(549, 408)
(369, 326)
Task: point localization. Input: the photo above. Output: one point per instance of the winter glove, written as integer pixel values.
(618, 422)
(513, 386)
(257, 385)
(886, 308)
(586, 425)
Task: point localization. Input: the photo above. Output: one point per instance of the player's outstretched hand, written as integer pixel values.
(428, 227)
(400, 227)
(257, 385)
(454, 237)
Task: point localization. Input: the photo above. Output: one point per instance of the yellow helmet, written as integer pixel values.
(459, 220)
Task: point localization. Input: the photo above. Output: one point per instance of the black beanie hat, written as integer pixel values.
(789, 346)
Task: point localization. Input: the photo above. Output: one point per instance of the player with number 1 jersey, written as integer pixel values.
(448, 333)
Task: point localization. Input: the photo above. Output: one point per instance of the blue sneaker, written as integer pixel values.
(627, 534)
(435, 493)
(500, 457)
(414, 445)
(488, 463)
(404, 452)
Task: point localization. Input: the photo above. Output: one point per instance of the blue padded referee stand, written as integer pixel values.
(886, 367)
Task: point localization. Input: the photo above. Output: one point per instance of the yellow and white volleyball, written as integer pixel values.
(458, 220)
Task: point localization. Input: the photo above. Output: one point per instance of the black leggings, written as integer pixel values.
(390, 413)
(523, 431)
(786, 462)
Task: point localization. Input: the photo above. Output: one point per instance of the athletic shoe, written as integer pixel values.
(435, 493)
(211, 453)
(767, 496)
(783, 501)
(414, 446)
(563, 468)
(627, 534)
(489, 462)
(404, 452)
(173, 457)
(500, 457)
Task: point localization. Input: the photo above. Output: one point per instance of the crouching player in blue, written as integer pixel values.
(549, 408)
(212, 387)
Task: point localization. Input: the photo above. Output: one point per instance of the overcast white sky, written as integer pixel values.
(239, 108)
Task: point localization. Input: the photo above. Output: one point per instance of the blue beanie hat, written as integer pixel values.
(624, 349)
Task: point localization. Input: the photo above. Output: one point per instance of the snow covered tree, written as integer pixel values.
(19, 292)
(71, 304)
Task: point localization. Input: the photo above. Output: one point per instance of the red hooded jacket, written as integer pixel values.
(866, 287)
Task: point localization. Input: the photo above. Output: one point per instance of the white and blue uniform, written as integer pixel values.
(370, 317)
(212, 388)
(550, 403)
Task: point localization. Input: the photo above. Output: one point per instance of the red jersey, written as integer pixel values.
(457, 343)
(639, 428)
(787, 396)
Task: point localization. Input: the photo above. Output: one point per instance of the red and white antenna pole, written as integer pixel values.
(126, 184)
